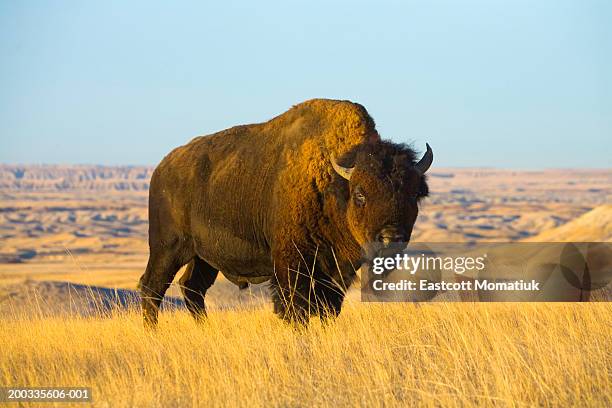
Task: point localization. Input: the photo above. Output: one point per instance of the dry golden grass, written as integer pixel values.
(372, 355)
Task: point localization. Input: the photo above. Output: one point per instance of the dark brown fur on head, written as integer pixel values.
(383, 192)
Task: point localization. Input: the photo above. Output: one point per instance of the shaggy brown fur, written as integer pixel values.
(262, 202)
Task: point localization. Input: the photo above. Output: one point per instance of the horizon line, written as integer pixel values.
(433, 170)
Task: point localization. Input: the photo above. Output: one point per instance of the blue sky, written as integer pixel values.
(521, 84)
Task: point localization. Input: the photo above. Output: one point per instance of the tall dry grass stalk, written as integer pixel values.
(372, 355)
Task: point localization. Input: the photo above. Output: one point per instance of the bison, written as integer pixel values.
(297, 201)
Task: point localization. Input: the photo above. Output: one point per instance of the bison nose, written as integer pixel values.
(390, 235)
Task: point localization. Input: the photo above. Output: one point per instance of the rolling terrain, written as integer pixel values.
(73, 243)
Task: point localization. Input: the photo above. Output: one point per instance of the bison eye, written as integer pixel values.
(359, 198)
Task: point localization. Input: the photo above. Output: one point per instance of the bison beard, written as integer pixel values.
(269, 202)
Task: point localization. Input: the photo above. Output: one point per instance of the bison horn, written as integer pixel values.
(423, 165)
(345, 172)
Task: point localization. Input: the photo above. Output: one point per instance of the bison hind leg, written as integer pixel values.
(197, 279)
(161, 269)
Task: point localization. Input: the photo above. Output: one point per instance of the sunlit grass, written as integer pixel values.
(372, 355)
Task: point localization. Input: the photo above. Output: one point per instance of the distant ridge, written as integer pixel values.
(74, 177)
(593, 226)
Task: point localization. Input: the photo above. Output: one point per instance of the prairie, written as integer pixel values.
(65, 230)
(547, 354)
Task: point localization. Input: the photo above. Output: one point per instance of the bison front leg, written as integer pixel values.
(298, 294)
(292, 295)
(328, 296)
(299, 297)
(331, 284)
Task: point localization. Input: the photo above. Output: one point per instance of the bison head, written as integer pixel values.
(385, 184)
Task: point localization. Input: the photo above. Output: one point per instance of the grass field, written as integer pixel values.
(373, 355)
